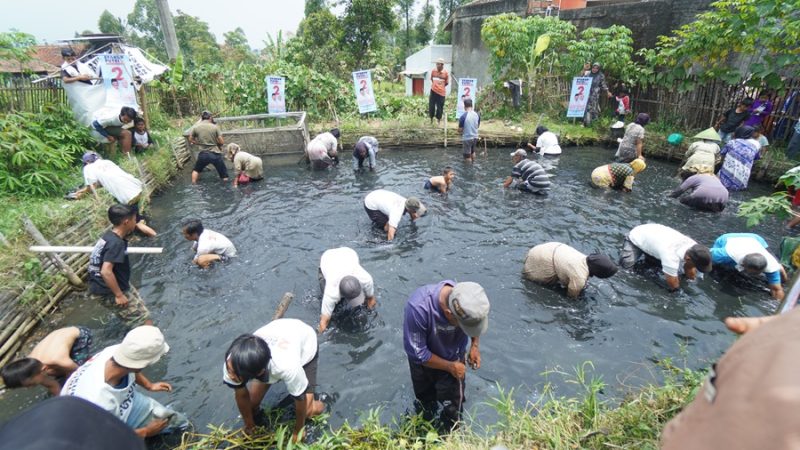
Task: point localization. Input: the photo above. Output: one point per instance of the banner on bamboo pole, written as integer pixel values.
(579, 96)
(365, 96)
(466, 90)
(118, 80)
(276, 94)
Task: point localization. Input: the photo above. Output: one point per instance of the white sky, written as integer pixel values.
(51, 20)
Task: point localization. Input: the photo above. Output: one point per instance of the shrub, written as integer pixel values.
(38, 152)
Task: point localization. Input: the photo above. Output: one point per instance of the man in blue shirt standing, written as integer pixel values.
(747, 252)
(468, 125)
(439, 318)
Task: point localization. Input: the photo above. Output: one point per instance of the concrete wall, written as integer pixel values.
(647, 20)
(470, 57)
(425, 60)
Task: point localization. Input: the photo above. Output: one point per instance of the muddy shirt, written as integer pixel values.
(556, 262)
(251, 165)
(206, 134)
(109, 248)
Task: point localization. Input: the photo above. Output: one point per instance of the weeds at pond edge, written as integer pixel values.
(553, 421)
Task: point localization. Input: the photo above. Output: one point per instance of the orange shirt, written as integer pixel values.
(439, 79)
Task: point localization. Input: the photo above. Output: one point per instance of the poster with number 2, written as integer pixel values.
(579, 96)
(365, 97)
(466, 90)
(117, 80)
(276, 97)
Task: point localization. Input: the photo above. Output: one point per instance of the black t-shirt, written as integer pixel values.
(733, 120)
(109, 248)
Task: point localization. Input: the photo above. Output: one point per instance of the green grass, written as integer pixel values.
(587, 420)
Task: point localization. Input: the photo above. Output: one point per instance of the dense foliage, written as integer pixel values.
(38, 152)
(752, 41)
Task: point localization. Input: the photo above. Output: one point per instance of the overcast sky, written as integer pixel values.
(51, 20)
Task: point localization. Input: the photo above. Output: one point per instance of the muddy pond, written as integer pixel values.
(478, 232)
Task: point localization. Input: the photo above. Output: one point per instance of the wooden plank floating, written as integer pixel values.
(88, 249)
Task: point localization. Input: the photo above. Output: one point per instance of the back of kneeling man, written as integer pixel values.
(343, 278)
(678, 253)
(747, 252)
(282, 350)
(439, 319)
(554, 262)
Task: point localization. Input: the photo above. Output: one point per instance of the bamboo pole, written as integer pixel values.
(62, 266)
(88, 249)
(286, 300)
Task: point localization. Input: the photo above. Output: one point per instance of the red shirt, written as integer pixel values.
(439, 79)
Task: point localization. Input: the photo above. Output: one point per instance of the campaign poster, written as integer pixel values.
(276, 94)
(466, 90)
(579, 96)
(118, 80)
(365, 96)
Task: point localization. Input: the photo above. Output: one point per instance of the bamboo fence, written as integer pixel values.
(17, 317)
(24, 96)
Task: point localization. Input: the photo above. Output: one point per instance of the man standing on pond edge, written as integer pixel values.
(438, 320)
(439, 81)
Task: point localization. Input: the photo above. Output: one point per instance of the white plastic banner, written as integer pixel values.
(118, 80)
(579, 96)
(142, 68)
(365, 96)
(466, 90)
(276, 94)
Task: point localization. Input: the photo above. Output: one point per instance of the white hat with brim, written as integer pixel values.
(519, 152)
(470, 306)
(141, 347)
(709, 135)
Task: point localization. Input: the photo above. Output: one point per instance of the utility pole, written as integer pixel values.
(168, 29)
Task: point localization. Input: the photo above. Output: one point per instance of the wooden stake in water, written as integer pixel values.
(283, 305)
(445, 130)
(72, 277)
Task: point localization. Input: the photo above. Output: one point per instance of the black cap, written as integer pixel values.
(205, 115)
(67, 52)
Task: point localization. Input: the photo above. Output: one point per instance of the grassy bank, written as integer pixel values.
(18, 267)
(588, 420)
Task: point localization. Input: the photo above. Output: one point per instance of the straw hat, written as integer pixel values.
(709, 135)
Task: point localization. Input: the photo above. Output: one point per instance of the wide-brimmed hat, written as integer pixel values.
(470, 306)
(709, 134)
(440, 61)
(141, 347)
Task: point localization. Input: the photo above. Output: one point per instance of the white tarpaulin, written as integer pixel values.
(86, 99)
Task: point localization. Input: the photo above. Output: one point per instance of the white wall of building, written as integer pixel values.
(424, 61)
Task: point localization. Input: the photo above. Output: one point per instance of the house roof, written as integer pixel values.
(44, 59)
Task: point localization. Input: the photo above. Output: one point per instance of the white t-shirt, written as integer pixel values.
(321, 146)
(108, 117)
(213, 243)
(548, 143)
(88, 383)
(336, 264)
(663, 243)
(292, 344)
(387, 202)
(739, 247)
(120, 184)
(141, 138)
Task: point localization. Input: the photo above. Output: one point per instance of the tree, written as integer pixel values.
(198, 44)
(753, 40)
(146, 28)
(16, 45)
(237, 48)
(424, 29)
(313, 6)
(110, 25)
(317, 43)
(362, 23)
(405, 7)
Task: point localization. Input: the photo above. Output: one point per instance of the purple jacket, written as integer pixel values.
(426, 330)
(758, 111)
